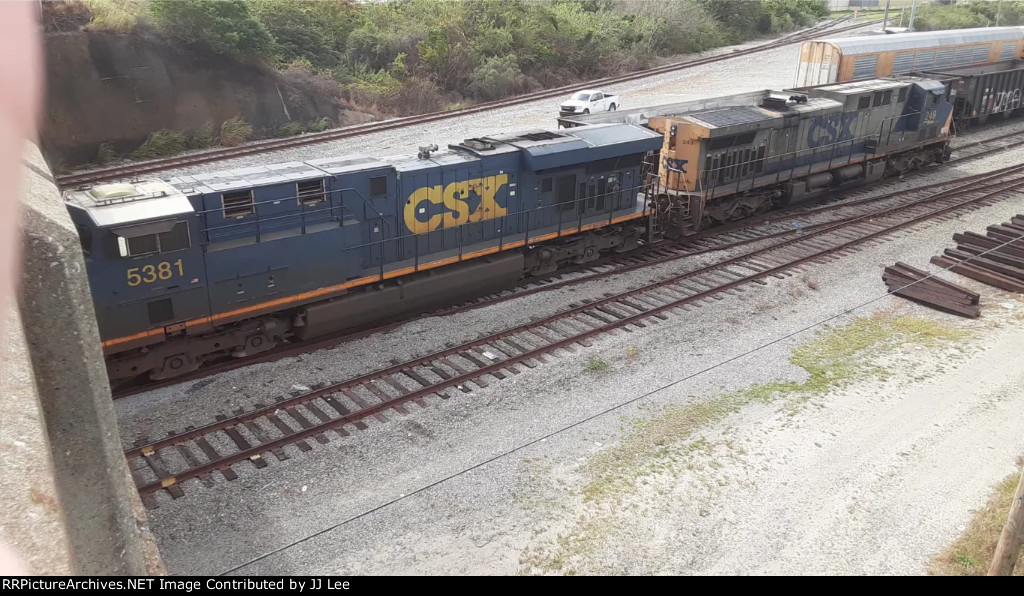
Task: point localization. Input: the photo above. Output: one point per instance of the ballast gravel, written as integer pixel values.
(837, 487)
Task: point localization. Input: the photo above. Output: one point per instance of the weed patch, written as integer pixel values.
(972, 552)
(235, 131)
(162, 143)
(665, 443)
(106, 154)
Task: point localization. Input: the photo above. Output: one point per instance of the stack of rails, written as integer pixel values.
(996, 259)
(920, 286)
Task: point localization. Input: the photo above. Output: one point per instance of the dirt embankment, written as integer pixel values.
(119, 88)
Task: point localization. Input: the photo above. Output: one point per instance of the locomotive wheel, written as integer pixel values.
(173, 366)
(589, 254)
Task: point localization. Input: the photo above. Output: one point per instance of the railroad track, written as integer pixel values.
(303, 419)
(983, 147)
(721, 238)
(136, 169)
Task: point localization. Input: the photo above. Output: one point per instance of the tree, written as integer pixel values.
(227, 27)
(312, 30)
(498, 77)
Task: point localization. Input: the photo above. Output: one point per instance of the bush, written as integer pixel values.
(226, 26)
(790, 14)
(60, 16)
(290, 129)
(162, 143)
(116, 16)
(302, 30)
(299, 75)
(106, 154)
(416, 97)
(205, 137)
(235, 131)
(934, 17)
(499, 77)
(319, 125)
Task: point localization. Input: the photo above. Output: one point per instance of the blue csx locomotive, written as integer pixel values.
(233, 263)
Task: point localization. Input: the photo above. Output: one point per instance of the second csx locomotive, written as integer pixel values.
(224, 264)
(727, 163)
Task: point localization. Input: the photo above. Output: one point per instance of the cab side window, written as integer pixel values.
(176, 238)
(142, 245)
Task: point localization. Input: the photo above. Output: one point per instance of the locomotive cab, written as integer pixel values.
(144, 261)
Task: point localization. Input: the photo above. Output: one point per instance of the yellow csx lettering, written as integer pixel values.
(453, 197)
(150, 273)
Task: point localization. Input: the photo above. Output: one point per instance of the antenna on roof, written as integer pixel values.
(425, 151)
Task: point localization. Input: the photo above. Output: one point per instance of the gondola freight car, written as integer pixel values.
(983, 92)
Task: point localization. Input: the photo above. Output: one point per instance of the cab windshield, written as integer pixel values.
(581, 96)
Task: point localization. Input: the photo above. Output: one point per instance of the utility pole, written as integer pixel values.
(999, 12)
(913, 10)
(1008, 547)
(885, 17)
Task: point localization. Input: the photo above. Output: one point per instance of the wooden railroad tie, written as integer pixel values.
(920, 286)
(995, 258)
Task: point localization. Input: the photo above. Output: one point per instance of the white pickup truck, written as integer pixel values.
(589, 101)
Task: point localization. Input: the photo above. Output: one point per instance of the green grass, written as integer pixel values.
(972, 552)
(597, 365)
(835, 358)
(665, 443)
(290, 129)
(235, 131)
(162, 143)
(115, 16)
(319, 125)
(205, 137)
(106, 154)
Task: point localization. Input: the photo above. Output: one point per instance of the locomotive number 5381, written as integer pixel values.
(151, 273)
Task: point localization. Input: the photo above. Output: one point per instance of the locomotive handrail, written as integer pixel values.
(710, 174)
(464, 229)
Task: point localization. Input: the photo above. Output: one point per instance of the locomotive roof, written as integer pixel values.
(141, 201)
(744, 115)
(111, 205)
(855, 87)
(869, 44)
(591, 143)
(545, 149)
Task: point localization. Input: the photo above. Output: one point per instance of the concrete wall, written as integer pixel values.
(75, 508)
